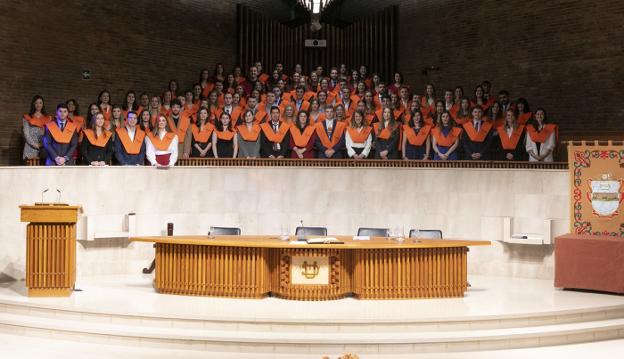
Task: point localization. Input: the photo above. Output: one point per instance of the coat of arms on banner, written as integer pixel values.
(605, 196)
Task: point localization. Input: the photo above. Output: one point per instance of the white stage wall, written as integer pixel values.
(463, 203)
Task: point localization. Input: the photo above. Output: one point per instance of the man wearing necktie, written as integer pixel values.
(477, 137)
(272, 143)
(60, 139)
(330, 144)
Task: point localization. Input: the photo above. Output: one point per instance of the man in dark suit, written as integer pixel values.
(60, 139)
(477, 137)
(330, 138)
(275, 136)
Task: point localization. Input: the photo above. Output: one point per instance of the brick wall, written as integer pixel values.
(564, 55)
(137, 45)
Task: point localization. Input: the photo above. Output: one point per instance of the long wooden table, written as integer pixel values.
(257, 266)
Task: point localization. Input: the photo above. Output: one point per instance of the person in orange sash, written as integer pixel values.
(201, 146)
(289, 115)
(504, 102)
(165, 107)
(315, 113)
(495, 115)
(275, 136)
(480, 100)
(60, 139)
(130, 103)
(224, 139)
(259, 114)
(386, 136)
(477, 138)
(74, 116)
(405, 98)
(428, 101)
(341, 115)
(145, 121)
(511, 144)
(416, 139)
(161, 146)
(97, 144)
(299, 101)
(117, 120)
(144, 101)
(248, 137)
(397, 84)
(33, 125)
(438, 110)
(129, 143)
(524, 114)
(445, 139)
(229, 108)
(358, 137)
(348, 102)
(463, 113)
(302, 137)
(330, 139)
(154, 109)
(541, 138)
(180, 125)
(104, 104)
(94, 109)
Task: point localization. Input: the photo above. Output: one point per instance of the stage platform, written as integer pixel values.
(124, 312)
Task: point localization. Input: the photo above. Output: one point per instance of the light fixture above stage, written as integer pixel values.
(315, 6)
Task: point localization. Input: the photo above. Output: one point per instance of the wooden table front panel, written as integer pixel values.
(410, 273)
(213, 271)
(339, 263)
(50, 259)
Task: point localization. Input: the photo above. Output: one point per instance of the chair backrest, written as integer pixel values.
(311, 231)
(225, 231)
(425, 233)
(373, 232)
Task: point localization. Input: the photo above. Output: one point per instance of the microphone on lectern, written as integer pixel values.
(44, 192)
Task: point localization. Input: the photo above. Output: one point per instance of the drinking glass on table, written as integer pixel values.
(285, 232)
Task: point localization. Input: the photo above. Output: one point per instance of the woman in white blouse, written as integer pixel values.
(161, 146)
(541, 138)
(358, 137)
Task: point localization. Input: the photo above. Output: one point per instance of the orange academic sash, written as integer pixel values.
(202, 136)
(61, 137)
(385, 133)
(161, 144)
(180, 130)
(132, 147)
(510, 143)
(39, 122)
(416, 139)
(97, 141)
(338, 131)
(78, 122)
(248, 135)
(445, 141)
(226, 135)
(301, 139)
(542, 135)
(272, 136)
(523, 118)
(473, 134)
(359, 136)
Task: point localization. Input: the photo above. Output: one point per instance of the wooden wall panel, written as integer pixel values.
(370, 42)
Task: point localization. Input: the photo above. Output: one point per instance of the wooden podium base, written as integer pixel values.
(50, 292)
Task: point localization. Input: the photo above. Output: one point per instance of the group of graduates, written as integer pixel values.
(344, 114)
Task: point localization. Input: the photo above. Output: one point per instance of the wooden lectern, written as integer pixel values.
(50, 248)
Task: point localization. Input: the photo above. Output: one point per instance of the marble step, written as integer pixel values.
(362, 342)
(325, 326)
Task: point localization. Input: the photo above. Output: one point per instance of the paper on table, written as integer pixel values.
(361, 238)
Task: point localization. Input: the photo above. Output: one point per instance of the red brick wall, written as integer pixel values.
(564, 55)
(137, 45)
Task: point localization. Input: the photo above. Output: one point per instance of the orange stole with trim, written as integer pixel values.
(248, 135)
(416, 139)
(338, 131)
(359, 136)
(226, 135)
(61, 137)
(38, 122)
(180, 129)
(385, 134)
(161, 144)
(541, 136)
(203, 135)
(132, 147)
(473, 134)
(510, 143)
(272, 136)
(97, 141)
(446, 141)
(301, 139)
